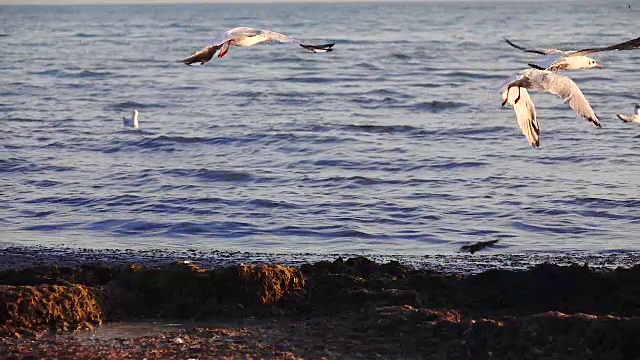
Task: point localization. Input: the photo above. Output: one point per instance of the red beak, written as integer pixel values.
(598, 67)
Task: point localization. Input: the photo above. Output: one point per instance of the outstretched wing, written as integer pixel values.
(535, 51)
(525, 114)
(208, 52)
(625, 118)
(565, 88)
(282, 38)
(202, 56)
(627, 45)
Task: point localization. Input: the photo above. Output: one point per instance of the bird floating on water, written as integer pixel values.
(633, 118)
(575, 59)
(132, 121)
(245, 37)
(514, 92)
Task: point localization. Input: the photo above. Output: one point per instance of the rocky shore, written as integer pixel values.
(338, 309)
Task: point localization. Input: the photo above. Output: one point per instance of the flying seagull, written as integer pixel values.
(245, 37)
(633, 118)
(574, 59)
(514, 92)
(132, 121)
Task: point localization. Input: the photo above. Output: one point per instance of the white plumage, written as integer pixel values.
(514, 93)
(245, 37)
(132, 121)
(632, 118)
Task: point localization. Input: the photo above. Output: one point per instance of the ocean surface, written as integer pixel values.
(393, 143)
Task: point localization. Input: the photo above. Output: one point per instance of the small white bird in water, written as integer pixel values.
(132, 121)
(574, 59)
(514, 92)
(633, 118)
(245, 37)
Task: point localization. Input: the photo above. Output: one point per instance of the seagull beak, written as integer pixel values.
(598, 66)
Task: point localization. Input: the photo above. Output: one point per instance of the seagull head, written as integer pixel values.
(592, 63)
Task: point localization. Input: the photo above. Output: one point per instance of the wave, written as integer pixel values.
(130, 105)
(15, 165)
(85, 35)
(458, 164)
(559, 228)
(593, 202)
(436, 105)
(472, 75)
(74, 75)
(382, 129)
(211, 174)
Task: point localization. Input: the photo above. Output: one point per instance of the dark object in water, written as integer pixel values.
(478, 246)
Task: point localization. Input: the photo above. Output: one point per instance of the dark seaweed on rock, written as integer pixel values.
(344, 309)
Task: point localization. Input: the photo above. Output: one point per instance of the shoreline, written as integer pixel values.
(19, 256)
(164, 307)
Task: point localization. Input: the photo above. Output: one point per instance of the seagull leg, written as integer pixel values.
(507, 98)
(225, 49)
(223, 52)
(518, 98)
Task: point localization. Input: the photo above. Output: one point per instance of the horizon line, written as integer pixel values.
(231, 2)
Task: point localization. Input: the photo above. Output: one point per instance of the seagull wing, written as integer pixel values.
(535, 51)
(525, 114)
(282, 38)
(566, 89)
(625, 118)
(208, 52)
(627, 45)
(202, 56)
(548, 62)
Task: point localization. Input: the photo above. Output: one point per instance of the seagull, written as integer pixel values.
(572, 60)
(633, 118)
(245, 37)
(514, 92)
(131, 122)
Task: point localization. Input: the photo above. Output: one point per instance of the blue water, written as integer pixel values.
(393, 143)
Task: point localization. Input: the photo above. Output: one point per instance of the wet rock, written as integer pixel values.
(84, 274)
(577, 336)
(187, 291)
(351, 308)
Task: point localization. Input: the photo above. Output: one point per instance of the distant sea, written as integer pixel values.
(394, 143)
